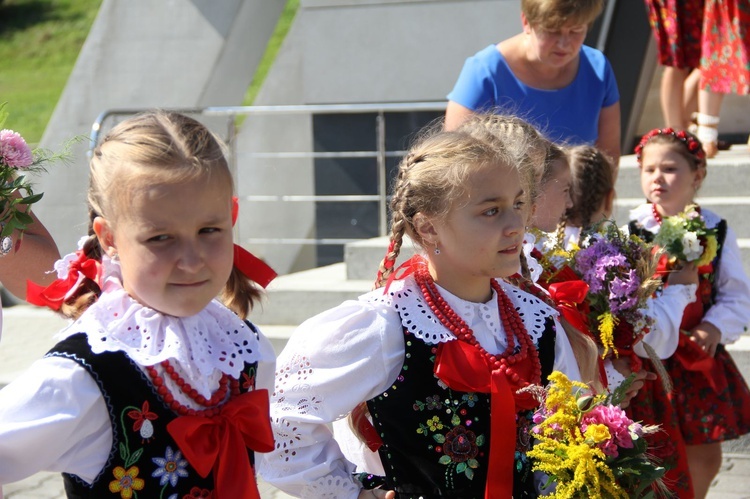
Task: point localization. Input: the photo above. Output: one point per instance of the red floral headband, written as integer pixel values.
(692, 144)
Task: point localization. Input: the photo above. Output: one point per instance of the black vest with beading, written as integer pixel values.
(436, 440)
(144, 460)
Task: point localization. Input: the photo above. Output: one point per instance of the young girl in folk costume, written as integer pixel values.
(710, 398)
(437, 352)
(152, 390)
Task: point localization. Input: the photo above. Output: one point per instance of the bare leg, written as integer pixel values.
(709, 106)
(672, 95)
(690, 97)
(704, 462)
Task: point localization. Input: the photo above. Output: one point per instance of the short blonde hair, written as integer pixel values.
(153, 147)
(553, 14)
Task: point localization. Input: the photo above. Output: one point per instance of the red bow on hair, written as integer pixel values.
(406, 268)
(54, 295)
(220, 443)
(250, 265)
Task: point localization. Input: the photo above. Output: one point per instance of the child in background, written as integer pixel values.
(677, 27)
(152, 390)
(439, 351)
(712, 404)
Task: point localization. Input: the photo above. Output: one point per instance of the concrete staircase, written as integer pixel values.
(725, 191)
(295, 297)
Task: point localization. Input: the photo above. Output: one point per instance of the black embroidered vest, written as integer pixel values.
(144, 460)
(436, 440)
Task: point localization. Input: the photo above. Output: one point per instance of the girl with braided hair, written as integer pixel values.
(151, 391)
(438, 351)
(710, 400)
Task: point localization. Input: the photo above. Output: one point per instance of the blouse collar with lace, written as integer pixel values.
(405, 297)
(214, 339)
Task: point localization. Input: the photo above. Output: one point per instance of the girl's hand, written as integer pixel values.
(688, 274)
(707, 336)
(622, 365)
(377, 493)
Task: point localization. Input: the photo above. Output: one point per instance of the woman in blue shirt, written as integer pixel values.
(547, 76)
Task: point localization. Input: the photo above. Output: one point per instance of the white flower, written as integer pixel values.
(691, 246)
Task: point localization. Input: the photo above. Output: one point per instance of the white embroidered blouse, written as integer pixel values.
(53, 416)
(352, 353)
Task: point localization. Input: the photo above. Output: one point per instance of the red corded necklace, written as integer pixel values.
(213, 405)
(506, 362)
(657, 215)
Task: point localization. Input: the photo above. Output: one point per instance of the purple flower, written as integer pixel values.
(14, 152)
(623, 292)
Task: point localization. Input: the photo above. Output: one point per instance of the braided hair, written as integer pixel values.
(593, 179)
(432, 175)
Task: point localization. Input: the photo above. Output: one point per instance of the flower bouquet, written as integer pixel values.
(16, 193)
(619, 271)
(588, 447)
(685, 238)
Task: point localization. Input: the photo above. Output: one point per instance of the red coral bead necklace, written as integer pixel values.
(506, 362)
(657, 215)
(212, 405)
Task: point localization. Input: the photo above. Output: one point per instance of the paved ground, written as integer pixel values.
(28, 333)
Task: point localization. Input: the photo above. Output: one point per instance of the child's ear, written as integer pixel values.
(105, 236)
(609, 203)
(425, 229)
(700, 176)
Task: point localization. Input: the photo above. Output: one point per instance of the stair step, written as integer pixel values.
(724, 177)
(293, 298)
(363, 257)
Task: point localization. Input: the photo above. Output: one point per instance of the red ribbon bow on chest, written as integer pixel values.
(220, 443)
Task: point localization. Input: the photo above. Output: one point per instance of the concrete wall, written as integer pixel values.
(141, 54)
(387, 51)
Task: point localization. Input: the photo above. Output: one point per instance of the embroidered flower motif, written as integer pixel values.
(143, 420)
(126, 482)
(248, 382)
(460, 445)
(171, 467)
(470, 399)
(434, 423)
(199, 493)
(434, 402)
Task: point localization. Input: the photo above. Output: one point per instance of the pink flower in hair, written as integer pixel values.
(14, 152)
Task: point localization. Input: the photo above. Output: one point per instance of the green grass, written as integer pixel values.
(39, 43)
(282, 28)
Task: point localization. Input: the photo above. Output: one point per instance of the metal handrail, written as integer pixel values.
(380, 154)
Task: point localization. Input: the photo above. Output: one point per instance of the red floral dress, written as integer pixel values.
(726, 46)
(677, 26)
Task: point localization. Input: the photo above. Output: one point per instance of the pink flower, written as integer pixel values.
(618, 423)
(14, 152)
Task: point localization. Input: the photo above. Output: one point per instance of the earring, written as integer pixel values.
(437, 250)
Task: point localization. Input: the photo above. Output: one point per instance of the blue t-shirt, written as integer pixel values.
(568, 115)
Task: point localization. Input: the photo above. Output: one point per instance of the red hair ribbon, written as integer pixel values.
(250, 265)
(406, 268)
(220, 444)
(54, 295)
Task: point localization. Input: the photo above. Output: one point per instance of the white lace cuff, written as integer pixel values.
(331, 487)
